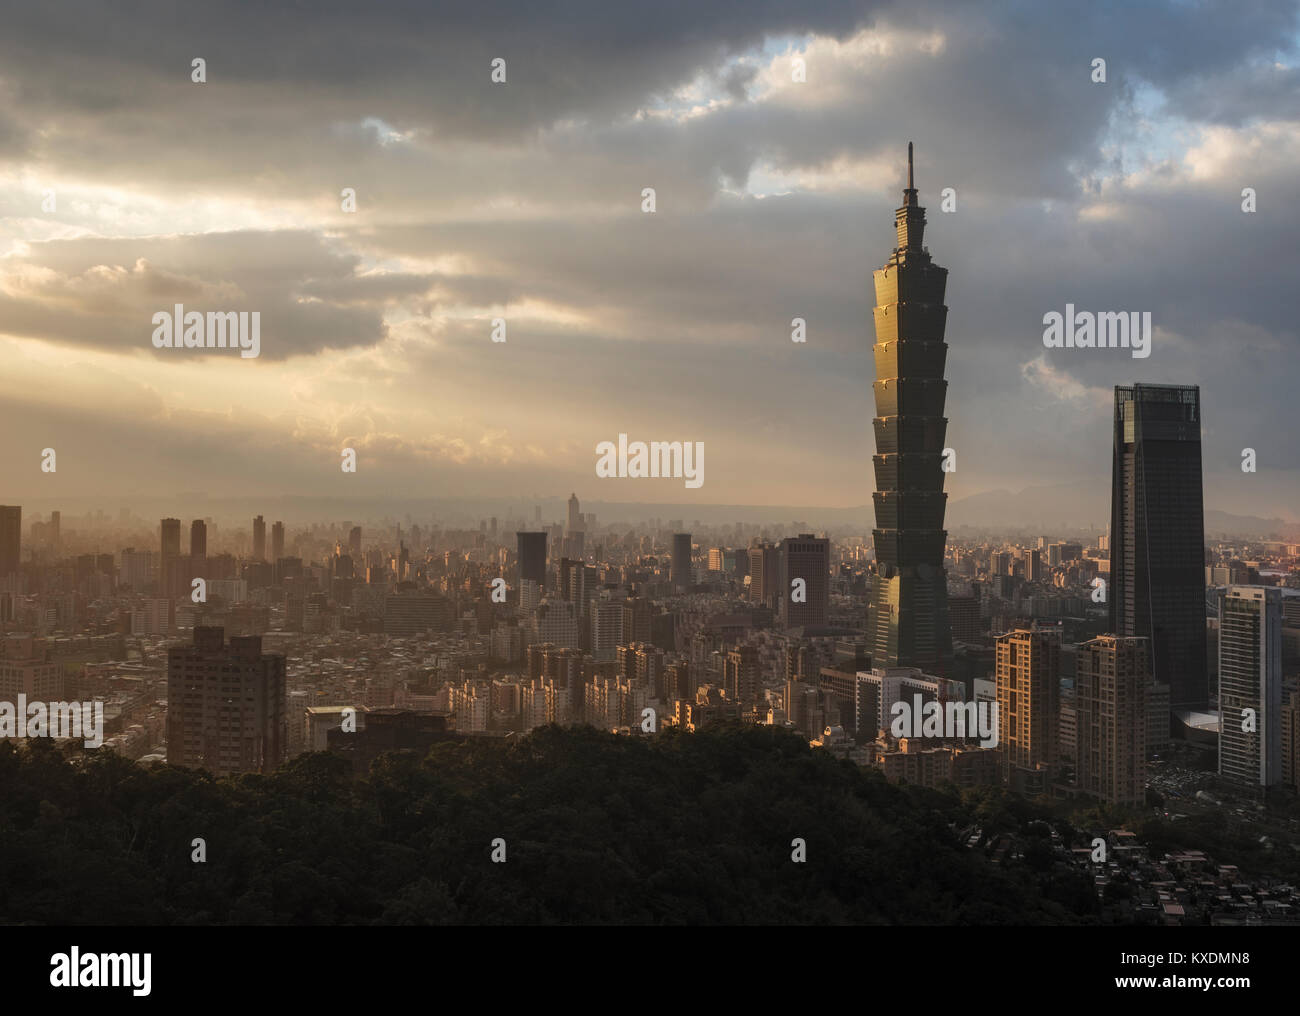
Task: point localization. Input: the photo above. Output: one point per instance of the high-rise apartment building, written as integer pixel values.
(1112, 686)
(1157, 534)
(555, 621)
(225, 704)
(808, 558)
(606, 628)
(907, 616)
(1027, 672)
(1250, 685)
(137, 569)
(277, 541)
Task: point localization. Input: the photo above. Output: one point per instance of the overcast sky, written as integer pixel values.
(523, 200)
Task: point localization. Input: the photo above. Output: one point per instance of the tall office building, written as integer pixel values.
(680, 575)
(198, 550)
(575, 517)
(907, 616)
(354, 544)
(1112, 685)
(764, 574)
(259, 539)
(1250, 685)
(809, 558)
(11, 538)
(225, 704)
(532, 557)
(1157, 534)
(277, 541)
(170, 579)
(1027, 672)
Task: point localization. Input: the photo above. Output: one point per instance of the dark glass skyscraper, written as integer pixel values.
(11, 536)
(1157, 534)
(680, 569)
(907, 619)
(805, 557)
(532, 557)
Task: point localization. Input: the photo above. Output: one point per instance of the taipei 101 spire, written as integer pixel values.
(907, 618)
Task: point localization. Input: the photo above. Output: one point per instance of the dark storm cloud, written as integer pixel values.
(425, 63)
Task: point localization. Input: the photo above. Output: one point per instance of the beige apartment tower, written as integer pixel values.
(1112, 688)
(1028, 677)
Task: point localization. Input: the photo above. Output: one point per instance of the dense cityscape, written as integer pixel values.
(1131, 677)
(809, 467)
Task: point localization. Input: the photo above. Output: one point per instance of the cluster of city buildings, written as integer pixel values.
(1086, 654)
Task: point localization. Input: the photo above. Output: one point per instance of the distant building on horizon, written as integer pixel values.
(259, 539)
(198, 551)
(170, 579)
(1157, 534)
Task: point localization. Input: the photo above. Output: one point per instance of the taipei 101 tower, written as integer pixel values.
(907, 617)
